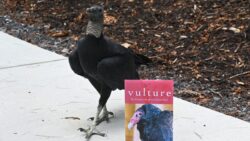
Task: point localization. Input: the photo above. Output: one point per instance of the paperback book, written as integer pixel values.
(149, 110)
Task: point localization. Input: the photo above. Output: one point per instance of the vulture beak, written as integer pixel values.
(130, 126)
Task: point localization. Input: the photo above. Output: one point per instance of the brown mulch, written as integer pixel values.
(203, 45)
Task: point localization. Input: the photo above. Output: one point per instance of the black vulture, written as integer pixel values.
(104, 63)
(152, 123)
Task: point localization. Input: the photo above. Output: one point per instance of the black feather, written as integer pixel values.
(140, 59)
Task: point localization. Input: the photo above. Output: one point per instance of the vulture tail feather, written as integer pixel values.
(141, 60)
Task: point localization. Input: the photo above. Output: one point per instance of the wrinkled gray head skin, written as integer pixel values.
(95, 23)
(95, 13)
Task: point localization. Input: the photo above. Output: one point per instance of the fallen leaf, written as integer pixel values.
(224, 28)
(11, 3)
(157, 35)
(173, 53)
(126, 45)
(79, 17)
(109, 19)
(239, 82)
(183, 37)
(237, 90)
(197, 76)
(159, 49)
(235, 30)
(75, 37)
(203, 100)
(60, 34)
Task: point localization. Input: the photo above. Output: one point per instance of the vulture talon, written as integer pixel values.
(104, 117)
(110, 115)
(91, 131)
(84, 130)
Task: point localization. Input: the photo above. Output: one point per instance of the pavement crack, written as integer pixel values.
(30, 64)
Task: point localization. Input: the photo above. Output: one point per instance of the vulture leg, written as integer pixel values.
(105, 116)
(105, 93)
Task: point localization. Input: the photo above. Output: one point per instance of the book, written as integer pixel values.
(149, 110)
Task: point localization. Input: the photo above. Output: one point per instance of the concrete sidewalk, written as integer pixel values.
(38, 91)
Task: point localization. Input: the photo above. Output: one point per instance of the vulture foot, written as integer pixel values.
(91, 131)
(104, 117)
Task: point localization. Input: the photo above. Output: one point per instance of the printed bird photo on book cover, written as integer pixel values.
(149, 110)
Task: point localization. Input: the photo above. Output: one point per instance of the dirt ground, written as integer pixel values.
(203, 45)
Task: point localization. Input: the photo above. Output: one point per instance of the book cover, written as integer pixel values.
(149, 110)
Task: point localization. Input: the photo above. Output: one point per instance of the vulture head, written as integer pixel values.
(95, 13)
(142, 114)
(135, 118)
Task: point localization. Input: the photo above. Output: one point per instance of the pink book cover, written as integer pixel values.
(149, 110)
